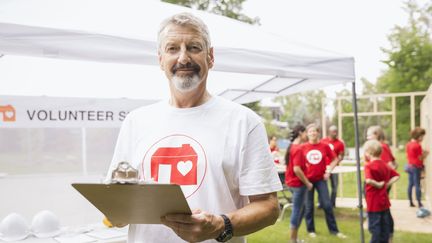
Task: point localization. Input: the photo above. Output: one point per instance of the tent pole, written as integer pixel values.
(357, 156)
(84, 150)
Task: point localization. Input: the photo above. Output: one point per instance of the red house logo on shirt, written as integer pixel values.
(8, 113)
(175, 165)
(314, 156)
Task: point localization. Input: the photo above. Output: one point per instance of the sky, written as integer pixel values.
(358, 28)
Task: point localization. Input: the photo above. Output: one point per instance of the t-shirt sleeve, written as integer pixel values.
(393, 173)
(367, 172)
(298, 157)
(258, 174)
(331, 155)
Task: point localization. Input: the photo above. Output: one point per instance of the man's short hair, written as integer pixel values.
(333, 128)
(417, 132)
(185, 19)
(373, 147)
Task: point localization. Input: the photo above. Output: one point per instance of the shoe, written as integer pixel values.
(312, 235)
(412, 204)
(420, 205)
(341, 236)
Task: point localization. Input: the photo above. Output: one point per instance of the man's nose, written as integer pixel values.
(184, 57)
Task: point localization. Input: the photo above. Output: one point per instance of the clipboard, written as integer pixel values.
(135, 203)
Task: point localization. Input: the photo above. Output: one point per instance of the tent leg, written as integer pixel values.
(357, 156)
(84, 150)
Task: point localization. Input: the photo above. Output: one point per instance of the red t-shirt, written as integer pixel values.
(295, 158)
(414, 151)
(386, 154)
(316, 157)
(336, 145)
(377, 200)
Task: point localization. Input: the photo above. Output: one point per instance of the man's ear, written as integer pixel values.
(211, 57)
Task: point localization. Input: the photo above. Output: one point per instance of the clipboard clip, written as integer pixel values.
(124, 174)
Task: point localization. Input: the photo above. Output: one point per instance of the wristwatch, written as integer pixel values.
(227, 234)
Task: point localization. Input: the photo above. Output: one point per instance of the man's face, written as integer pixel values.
(333, 133)
(184, 57)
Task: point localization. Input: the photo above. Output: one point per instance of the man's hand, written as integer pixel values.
(326, 176)
(197, 227)
(309, 186)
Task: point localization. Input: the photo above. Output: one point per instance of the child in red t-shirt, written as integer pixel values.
(378, 176)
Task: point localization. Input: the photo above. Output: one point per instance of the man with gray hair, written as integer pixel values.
(215, 149)
(338, 147)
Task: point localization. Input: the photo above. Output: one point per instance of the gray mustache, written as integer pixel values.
(195, 67)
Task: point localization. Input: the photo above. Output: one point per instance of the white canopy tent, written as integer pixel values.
(249, 64)
(125, 32)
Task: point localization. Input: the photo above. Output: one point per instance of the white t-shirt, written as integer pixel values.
(217, 152)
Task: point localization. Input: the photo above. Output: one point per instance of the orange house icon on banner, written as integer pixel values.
(175, 165)
(7, 113)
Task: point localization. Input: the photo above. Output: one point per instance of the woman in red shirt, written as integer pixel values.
(316, 155)
(295, 178)
(415, 156)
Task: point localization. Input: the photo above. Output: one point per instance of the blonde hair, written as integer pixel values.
(184, 19)
(373, 148)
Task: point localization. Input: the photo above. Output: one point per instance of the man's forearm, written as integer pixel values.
(262, 211)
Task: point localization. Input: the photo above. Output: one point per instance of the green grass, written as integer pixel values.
(348, 224)
(400, 187)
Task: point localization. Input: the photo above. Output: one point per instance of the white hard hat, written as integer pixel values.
(45, 224)
(14, 227)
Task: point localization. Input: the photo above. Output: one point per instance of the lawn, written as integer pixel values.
(348, 224)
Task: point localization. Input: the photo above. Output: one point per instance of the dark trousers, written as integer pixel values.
(334, 182)
(324, 199)
(379, 226)
(414, 181)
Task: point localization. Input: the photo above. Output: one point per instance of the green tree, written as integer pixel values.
(409, 62)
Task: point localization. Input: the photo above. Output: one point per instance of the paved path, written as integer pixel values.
(404, 216)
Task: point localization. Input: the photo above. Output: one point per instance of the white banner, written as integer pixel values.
(45, 112)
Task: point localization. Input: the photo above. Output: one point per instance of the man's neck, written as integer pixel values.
(190, 99)
(314, 141)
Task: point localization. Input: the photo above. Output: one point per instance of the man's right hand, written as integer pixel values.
(309, 186)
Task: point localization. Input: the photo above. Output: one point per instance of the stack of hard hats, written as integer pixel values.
(14, 227)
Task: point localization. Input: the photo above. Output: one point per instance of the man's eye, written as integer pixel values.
(172, 49)
(195, 48)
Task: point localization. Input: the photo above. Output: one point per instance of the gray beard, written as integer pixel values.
(187, 83)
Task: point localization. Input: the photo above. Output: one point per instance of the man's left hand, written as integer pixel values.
(197, 227)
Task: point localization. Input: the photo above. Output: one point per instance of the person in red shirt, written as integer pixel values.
(274, 149)
(296, 179)
(377, 133)
(378, 176)
(338, 148)
(316, 155)
(415, 156)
